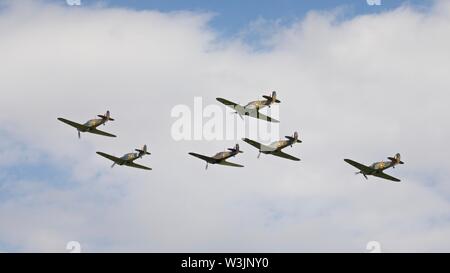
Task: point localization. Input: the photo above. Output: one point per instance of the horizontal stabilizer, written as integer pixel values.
(105, 117)
(395, 160)
(270, 98)
(291, 139)
(142, 152)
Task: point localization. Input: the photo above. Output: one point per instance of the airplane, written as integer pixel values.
(91, 125)
(377, 168)
(253, 107)
(275, 147)
(128, 159)
(221, 157)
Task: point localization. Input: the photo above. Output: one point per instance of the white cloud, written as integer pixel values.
(364, 88)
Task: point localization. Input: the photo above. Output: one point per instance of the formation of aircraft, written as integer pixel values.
(377, 168)
(252, 110)
(221, 157)
(275, 147)
(253, 107)
(128, 159)
(91, 125)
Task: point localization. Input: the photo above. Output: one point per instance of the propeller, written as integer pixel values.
(259, 154)
(240, 115)
(79, 134)
(206, 168)
(365, 176)
(114, 164)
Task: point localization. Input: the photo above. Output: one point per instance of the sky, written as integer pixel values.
(356, 81)
(234, 15)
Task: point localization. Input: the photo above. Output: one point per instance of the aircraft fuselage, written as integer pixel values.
(379, 167)
(94, 123)
(257, 104)
(382, 165)
(224, 155)
(278, 145)
(130, 157)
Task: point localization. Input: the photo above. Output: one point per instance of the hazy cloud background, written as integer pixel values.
(362, 88)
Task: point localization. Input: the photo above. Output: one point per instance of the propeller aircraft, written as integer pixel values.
(91, 125)
(275, 147)
(221, 157)
(128, 159)
(377, 168)
(253, 107)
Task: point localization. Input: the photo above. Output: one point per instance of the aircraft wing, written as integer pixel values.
(385, 176)
(258, 115)
(285, 155)
(226, 163)
(98, 132)
(257, 145)
(134, 165)
(232, 105)
(359, 166)
(74, 124)
(204, 157)
(110, 157)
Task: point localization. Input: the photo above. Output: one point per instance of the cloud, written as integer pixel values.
(362, 88)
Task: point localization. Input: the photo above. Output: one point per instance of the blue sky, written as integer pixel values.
(234, 15)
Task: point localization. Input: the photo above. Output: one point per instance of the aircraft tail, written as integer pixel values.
(235, 149)
(107, 116)
(396, 159)
(294, 138)
(142, 151)
(272, 98)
